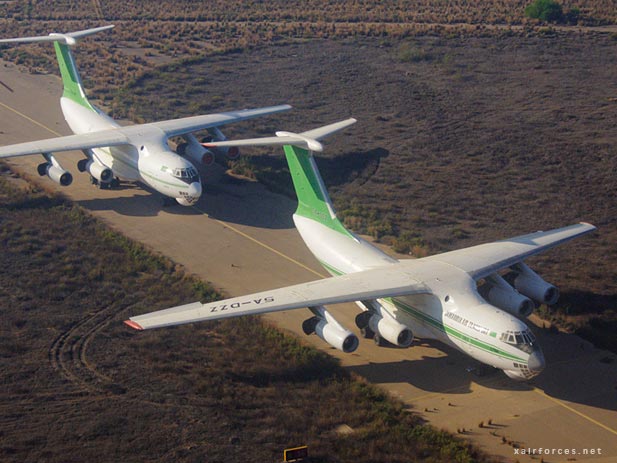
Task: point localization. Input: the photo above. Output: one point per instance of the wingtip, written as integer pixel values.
(134, 325)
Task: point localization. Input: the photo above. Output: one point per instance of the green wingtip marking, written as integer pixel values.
(313, 200)
(70, 77)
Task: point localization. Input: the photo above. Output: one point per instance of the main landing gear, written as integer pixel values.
(362, 320)
(115, 183)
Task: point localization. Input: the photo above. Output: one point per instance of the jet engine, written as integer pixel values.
(532, 285)
(392, 331)
(499, 293)
(98, 171)
(194, 150)
(324, 325)
(383, 325)
(54, 170)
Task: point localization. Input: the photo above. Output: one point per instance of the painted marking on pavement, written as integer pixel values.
(573, 410)
(29, 119)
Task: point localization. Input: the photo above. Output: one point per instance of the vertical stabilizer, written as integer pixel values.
(73, 88)
(313, 200)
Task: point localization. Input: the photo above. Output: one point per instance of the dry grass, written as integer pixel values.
(149, 34)
(460, 140)
(311, 11)
(78, 385)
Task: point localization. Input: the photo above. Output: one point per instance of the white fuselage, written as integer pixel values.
(148, 159)
(453, 312)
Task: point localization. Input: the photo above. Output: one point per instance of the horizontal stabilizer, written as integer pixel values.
(308, 140)
(67, 39)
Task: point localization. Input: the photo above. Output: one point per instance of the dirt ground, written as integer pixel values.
(460, 139)
(463, 139)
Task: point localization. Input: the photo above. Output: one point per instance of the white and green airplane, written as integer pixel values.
(434, 297)
(136, 153)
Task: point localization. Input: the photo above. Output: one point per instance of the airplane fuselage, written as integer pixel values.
(452, 311)
(148, 159)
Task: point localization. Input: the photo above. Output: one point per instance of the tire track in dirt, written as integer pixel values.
(98, 9)
(68, 354)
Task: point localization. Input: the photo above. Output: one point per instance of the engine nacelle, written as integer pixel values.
(55, 172)
(391, 330)
(231, 152)
(195, 151)
(324, 325)
(532, 285)
(98, 171)
(504, 296)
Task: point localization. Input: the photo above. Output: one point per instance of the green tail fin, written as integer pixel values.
(313, 199)
(73, 88)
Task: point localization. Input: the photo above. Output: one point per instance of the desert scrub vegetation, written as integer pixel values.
(307, 11)
(210, 392)
(149, 34)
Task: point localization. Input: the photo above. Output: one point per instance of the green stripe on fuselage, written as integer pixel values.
(438, 324)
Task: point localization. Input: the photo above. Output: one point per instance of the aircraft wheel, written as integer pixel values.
(115, 182)
(381, 342)
(93, 181)
(367, 333)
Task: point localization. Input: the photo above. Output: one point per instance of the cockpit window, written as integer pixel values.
(521, 339)
(187, 173)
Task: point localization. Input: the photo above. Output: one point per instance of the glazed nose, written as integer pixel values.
(194, 190)
(536, 361)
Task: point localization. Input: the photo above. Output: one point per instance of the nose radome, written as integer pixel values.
(194, 189)
(536, 361)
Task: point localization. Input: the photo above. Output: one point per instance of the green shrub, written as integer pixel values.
(546, 10)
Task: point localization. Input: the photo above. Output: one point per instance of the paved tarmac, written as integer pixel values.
(241, 238)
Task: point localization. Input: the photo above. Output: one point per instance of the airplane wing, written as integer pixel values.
(482, 260)
(185, 125)
(122, 135)
(111, 137)
(392, 280)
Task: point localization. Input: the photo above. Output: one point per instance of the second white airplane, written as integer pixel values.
(435, 297)
(137, 152)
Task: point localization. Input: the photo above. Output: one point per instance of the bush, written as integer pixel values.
(546, 10)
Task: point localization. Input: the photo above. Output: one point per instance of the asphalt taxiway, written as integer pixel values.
(241, 238)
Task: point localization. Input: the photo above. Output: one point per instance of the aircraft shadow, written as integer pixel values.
(242, 201)
(453, 373)
(576, 372)
(137, 205)
(245, 202)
